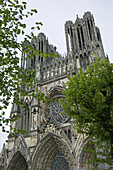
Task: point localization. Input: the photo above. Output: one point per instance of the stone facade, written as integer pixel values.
(52, 140)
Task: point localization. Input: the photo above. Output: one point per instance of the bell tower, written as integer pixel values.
(83, 39)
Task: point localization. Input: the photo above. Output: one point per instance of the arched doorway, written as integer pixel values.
(87, 154)
(53, 153)
(18, 162)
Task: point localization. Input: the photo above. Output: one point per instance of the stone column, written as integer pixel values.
(71, 39)
(87, 30)
(95, 33)
(84, 33)
(74, 40)
(67, 42)
(92, 32)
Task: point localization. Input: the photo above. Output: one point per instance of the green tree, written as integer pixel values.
(89, 100)
(12, 76)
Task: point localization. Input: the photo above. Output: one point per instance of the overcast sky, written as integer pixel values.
(54, 13)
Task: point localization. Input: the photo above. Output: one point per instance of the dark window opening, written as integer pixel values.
(69, 134)
(28, 118)
(91, 23)
(34, 111)
(65, 132)
(98, 35)
(81, 60)
(41, 59)
(28, 122)
(89, 29)
(39, 50)
(71, 32)
(34, 60)
(78, 33)
(82, 36)
(42, 46)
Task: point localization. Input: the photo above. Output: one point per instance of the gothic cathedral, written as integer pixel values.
(52, 142)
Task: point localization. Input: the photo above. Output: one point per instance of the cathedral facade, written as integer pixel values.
(52, 142)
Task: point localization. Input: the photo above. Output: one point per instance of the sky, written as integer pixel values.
(54, 13)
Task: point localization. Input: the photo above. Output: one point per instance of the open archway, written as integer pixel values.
(18, 162)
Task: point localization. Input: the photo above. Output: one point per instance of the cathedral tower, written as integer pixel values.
(52, 141)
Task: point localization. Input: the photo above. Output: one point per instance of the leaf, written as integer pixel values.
(32, 28)
(34, 10)
(13, 78)
(89, 99)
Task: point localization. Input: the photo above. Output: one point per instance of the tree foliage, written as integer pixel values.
(89, 100)
(12, 76)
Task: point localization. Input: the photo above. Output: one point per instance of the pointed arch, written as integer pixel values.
(85, 155)
(20, 153)
(45, 152)
(69, 36)
(84, 152)
(55, 91)
(18, 162)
